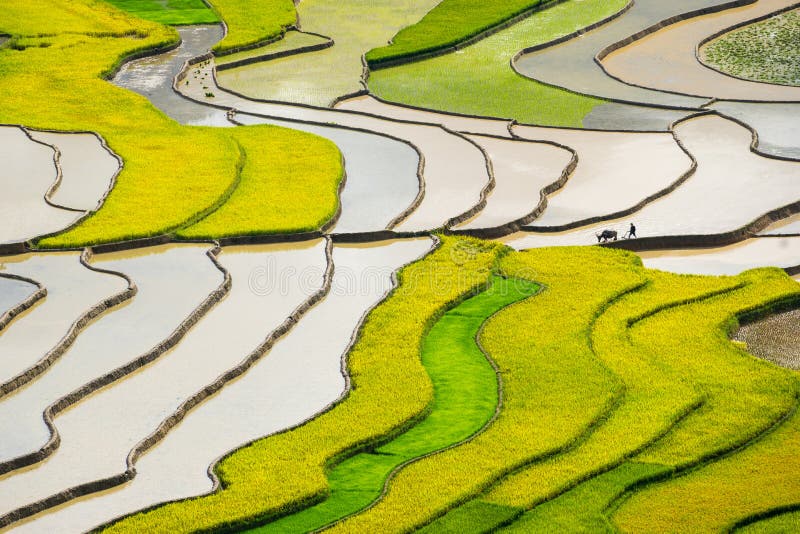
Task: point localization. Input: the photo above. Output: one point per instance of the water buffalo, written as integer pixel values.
(605, 235)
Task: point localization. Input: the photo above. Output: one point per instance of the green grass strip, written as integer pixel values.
(391, 391)
(174, 12)
(251, 22)
(289, 184)
(449, 23)
(465, 398)
(478, 80)
(766, 51)
(554, 388)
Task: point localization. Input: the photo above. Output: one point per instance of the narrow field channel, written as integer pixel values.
(152, 77)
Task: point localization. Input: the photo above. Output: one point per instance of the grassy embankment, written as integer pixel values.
(782, 522)
(173, 12)
(52, 72)
(647, 386)
(479, 81)
(251, 22)
(449, 23)
(292, 42)
(767, 51)
(391, 392)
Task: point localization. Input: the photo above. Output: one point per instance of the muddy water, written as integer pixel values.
(666, 59)
(269, 283)
(153, 76)
(775, 338)
(733, 259)
(521, 171)
(615, 171)
(368, 104)
(790, 225)
(731, 188)
(13, 292)
(455, 170)
(172, 281)
(585, 76)
(88, 169)
(296, 380)
(381, 175)
(777, 125)
(71, 290)
(26, 174)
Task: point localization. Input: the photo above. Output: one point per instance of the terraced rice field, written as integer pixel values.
(367, 266)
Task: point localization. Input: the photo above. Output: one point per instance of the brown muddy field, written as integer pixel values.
(775, 338)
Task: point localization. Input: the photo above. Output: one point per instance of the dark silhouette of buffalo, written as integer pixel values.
(605, 235)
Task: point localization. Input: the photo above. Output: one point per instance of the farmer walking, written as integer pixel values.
(632, 231)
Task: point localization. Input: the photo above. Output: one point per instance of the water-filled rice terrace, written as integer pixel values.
(390, 266)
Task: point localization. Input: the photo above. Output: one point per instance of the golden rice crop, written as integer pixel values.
(251, 22)
(289, 183)
(554, 388)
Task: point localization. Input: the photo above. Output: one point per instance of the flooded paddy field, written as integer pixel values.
(171, 282)
(299, 376)
(114, 420)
